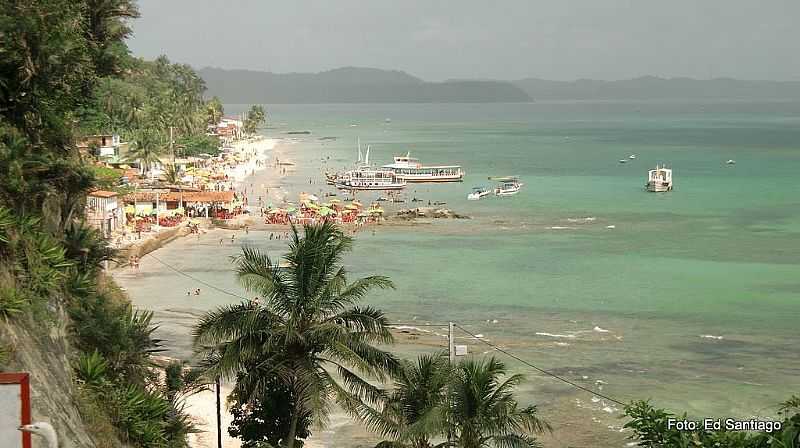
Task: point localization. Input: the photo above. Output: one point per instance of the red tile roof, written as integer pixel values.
(102, 194)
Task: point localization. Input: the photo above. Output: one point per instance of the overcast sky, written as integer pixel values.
(500, 39)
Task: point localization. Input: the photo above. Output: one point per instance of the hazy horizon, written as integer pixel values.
(470, 39)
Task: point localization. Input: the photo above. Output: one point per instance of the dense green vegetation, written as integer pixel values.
(65, 72)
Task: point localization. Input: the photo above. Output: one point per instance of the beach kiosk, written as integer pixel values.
(15, 402)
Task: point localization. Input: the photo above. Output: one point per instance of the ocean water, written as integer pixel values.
(692, 299)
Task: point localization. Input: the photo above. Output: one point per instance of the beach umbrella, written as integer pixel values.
(313, 197)
(335, 201)
(325, 211)
(291, 210)
(351, 207)
(358, 204)
(376, 210)
(274, 211)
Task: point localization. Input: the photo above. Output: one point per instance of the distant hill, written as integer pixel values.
(651, 87)
(351, 85)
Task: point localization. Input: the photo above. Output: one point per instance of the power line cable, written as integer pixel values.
(560, 378)
(196, 279)
(505, 352)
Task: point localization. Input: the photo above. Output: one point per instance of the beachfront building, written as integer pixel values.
(103, 211)
(227, 128)
(164, 204)
(105, 147)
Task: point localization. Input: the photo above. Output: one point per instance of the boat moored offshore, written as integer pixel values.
(414, 171)
(370, 179)
(508, 186)
(478, 193)
(659, 180)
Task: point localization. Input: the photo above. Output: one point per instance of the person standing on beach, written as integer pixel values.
(221, 241)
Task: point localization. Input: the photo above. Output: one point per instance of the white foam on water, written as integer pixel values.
(570, 336)
(409, 327)
(587, 219)
(600, 330)
(559, 228)
(612, 226)
(711, 336)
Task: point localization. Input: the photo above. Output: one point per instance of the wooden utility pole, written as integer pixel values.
(219, 415)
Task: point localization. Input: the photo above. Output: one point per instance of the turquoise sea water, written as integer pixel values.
(692, 299)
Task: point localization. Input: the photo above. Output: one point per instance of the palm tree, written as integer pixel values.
(173, 174)
(413, 412)
(483, 411)
(307, 325)
(214, 111)
(147, 148)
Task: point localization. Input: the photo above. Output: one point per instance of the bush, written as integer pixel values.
(651, 429)
(92, 369)
(12, 302)
(123, 336)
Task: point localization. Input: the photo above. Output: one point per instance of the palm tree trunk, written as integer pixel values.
(293, 426)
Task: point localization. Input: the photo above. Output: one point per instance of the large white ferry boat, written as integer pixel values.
(659, 179)
(370, 179)
(414, 171)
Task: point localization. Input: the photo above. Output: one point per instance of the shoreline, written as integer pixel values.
(202, 407)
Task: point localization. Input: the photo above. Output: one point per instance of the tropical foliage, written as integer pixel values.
(308, 325)
(256, 117)
(65, 71)
(414, 412)
(651, 429)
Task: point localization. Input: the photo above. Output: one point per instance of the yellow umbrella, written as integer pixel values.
(335, 201)
(358, 204)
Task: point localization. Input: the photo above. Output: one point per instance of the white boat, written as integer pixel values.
(414, 171)
(370, 179)
(659, 179)
(623, 161)
(508, 187)
(632, 156)
(731, 162)
(478, 193)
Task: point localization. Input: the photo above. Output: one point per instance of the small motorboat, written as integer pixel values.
(478, 193)
(730, 162)
(623, 161)
(508, 188)
(632, 156)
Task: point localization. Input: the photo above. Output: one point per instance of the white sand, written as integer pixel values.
(203, 409)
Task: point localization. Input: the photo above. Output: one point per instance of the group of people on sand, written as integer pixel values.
(133, 261)
(195, 292)
(277, 236)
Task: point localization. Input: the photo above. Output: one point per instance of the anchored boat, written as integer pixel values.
(414, 171)
(508, 186)
(478, 193)
(370, 179)
(659, 180)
